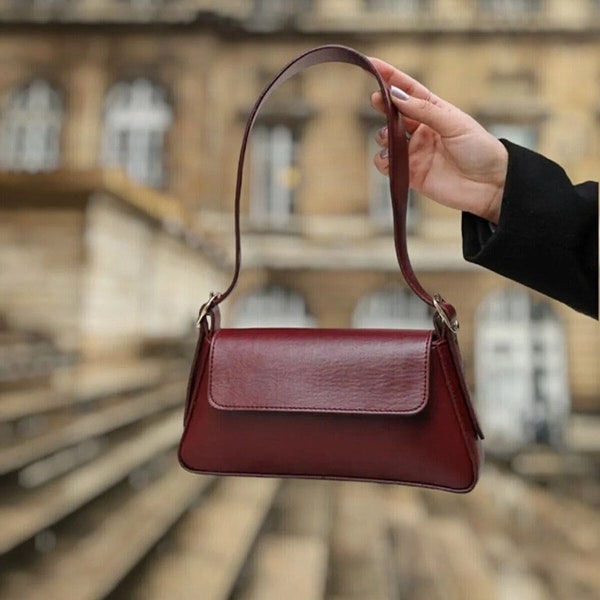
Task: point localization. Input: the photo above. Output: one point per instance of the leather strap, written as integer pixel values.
(398, 157)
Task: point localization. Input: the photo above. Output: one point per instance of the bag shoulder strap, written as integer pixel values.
(398, 177)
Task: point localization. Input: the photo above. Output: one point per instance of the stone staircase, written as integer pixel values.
(94, 505)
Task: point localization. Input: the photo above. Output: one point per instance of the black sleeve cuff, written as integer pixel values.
(547, 234)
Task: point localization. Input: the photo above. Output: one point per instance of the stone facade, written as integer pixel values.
(96, 266)
(526, 69)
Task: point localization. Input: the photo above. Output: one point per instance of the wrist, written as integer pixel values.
(493, 207)
(492, 212)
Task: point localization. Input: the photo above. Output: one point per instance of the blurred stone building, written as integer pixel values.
(120, 123)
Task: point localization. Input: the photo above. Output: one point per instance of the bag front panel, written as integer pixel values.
(435, 448)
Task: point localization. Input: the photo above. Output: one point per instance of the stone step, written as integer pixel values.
(78, 428)
(293, 567)
(90, 565)
(80, 384)
(23, 514)
(291, 559)
(206, 553)
(360, 544)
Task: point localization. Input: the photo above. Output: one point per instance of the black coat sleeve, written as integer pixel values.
(547, 235)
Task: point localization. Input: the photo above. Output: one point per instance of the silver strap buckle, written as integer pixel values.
(453, 324)
(205, 309)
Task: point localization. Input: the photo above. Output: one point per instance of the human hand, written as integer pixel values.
(452, 158)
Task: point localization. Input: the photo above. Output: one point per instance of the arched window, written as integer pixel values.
(136, 118)
(273, 175)
(272, 307)
(30, 128)
(380, 204)
(520, 371)
(505, 9)
(42, 5)
(402, 7)
(141, 4)
(392, 308)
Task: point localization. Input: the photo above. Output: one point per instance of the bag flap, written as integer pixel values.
(320, 370)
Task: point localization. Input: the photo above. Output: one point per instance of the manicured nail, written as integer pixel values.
(398, 93)
(384, 153)
(383, 132)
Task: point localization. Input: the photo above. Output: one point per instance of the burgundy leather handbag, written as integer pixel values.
(376, 405)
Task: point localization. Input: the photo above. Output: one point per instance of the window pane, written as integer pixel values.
(380, 204)
(392, 308)
(30, 129)
(137, 117)
(272, 307)
(406, 7)
(508, 8)
(521, 372)
(274, 175)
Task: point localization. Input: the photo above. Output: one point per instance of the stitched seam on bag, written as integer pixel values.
(474, 422)
(426, 361)
(319, 408)
(457, 414)
(415, 410)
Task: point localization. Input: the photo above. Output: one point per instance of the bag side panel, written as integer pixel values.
(196, 375)
(461, 402)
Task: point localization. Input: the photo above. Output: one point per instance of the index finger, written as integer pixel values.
(393, 76)
(377, 103)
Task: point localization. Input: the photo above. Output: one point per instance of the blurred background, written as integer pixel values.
(120, 124)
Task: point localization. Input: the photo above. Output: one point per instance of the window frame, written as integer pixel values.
(521, 370)
(391, 308)
(272, 306)
(122, 131)
(274, 152)
(23, 124)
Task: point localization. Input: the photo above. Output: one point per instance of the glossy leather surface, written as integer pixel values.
(322, 371)
(435, 447)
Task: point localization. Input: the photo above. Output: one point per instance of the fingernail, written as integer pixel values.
(398, 93)
(383, 132)
(384, 153)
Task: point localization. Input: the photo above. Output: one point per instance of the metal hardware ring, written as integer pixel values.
(205, 308)
(437, 304)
